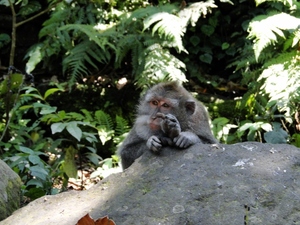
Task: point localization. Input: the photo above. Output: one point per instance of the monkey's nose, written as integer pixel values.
(160, 115)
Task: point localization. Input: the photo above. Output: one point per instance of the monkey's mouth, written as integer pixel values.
(155, 123)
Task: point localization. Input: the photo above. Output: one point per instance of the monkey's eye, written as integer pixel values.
(154, 102)
(165, 105)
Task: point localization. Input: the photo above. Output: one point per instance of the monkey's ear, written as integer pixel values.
(190, 106)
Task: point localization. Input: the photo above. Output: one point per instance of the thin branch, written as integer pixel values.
(35, 16)
(15, 25)
(13, 34)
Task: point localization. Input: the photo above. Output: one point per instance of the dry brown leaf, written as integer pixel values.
(87, 220)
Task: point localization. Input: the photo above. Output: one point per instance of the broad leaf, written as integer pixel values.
(74, 130)
(57, 127)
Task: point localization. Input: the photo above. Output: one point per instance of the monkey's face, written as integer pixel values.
(159, 105)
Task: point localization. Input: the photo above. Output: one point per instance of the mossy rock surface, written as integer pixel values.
(10, 190)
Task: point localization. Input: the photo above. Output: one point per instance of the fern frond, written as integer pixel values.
(263, 29)
(281, 81)
(192, 13)
(101, 39)
(138, 58)
(104, 119)
(121, 126)
(168, 27)
(82, 55)
(160, 65)
(288, 3)
(57, 16)
(127, 43)
(142, 13)
(292, 40)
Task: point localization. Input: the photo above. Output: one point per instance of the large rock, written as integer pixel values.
(10, 191)
(245, 183)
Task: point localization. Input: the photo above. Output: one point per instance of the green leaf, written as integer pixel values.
(207, 29)
(34, 159)
(4, 40)
(220, 121)
(69, 165)
(35, 56)
(35, 193)
(4, 2)
(31, 7)
(225, 46)
(35, 182)
(74, 130)
(296, 138)
(50, 92)
(39, 172)
(207, 58)
(276, 137)
(93, 157)
(48, 110)
(57, 127)
(26, 150)
(87, 115)
(195, 40)
(45, 109)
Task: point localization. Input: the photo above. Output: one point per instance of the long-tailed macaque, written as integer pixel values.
(167, 115)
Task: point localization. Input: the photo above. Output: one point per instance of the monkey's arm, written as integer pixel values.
(131, 149)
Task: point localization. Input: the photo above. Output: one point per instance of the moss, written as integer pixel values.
(10, 200)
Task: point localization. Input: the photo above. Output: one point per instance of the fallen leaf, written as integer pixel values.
(87, 220)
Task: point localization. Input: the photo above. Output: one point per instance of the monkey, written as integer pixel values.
(167, 115)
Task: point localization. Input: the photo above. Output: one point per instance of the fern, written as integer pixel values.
(292, 40)
(168, 26)
(160, 65)
(290, 3)
(263, 29)
(138, 58)
(80, 56)
(106, 127)
(281, 80)
(192, 13)
(172, 27)
(85, 46)
(101, 39)
(121, 126)
(88, 115)
(104, 119)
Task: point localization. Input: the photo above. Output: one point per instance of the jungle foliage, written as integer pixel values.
(104, 53)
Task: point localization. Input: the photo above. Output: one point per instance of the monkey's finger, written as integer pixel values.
(182, 141)
(155, 146)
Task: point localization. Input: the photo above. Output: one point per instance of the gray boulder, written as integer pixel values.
(245, 183)
(10, 191)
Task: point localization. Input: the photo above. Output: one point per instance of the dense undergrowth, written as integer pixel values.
(241, 56)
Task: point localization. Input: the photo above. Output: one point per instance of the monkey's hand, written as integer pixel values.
(166, 141)
(154, 144)
(169, 125)
(186, 139)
